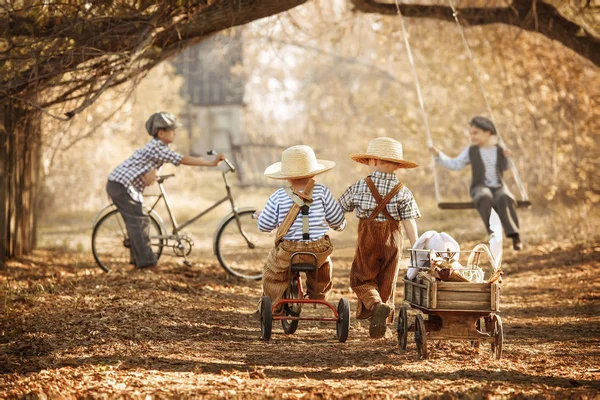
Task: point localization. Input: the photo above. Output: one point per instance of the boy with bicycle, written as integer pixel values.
(302, 214)
(126, 183)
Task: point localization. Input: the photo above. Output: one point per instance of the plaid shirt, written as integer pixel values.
(358, 196)
(130, 172)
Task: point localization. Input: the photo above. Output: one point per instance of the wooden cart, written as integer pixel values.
(456, 311)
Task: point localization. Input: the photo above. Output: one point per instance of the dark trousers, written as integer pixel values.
(136, 222)
(501, 200)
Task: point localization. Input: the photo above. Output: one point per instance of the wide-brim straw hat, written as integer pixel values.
(298, 162)
(386, 149)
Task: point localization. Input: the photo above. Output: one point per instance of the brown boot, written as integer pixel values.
(378, 326)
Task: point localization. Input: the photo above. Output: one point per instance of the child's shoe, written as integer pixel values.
(517, 245)
(378, 326)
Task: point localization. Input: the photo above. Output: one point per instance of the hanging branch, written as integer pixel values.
(532, 16)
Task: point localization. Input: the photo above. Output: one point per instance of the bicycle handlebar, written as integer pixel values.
(229, 164)
(162, 178)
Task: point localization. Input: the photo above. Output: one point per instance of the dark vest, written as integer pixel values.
(478, 168)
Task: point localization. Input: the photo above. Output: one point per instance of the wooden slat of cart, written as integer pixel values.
(439, 311)
(453, 296)
(463, 287)
(443, 296)
(464, 305)
(417, 292)
(495, 297)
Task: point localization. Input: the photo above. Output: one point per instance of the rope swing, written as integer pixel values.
(456, 205)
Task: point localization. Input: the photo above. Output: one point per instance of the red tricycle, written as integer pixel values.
(293, 300)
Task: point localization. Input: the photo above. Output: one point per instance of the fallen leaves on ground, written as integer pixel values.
(68, 330)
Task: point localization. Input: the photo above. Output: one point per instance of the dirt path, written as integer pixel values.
(68, 330)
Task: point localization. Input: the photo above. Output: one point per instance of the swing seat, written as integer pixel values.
(468, 205)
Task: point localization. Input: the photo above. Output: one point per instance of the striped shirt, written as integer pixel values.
(489, 155)
(131, 171)
(323, 213)
(358, 196)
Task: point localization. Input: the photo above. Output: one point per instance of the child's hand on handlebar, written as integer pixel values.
(220, 157)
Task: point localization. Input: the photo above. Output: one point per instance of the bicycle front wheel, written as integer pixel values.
(110, 242)
(238, 256)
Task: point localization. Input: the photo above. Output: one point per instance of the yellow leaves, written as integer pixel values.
(551, 192)
(592, 197)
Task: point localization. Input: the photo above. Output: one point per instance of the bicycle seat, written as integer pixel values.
(162, 178)
(303, 267)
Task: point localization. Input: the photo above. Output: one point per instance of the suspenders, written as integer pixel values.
(381, 202)
(302, 201)
(303, 204)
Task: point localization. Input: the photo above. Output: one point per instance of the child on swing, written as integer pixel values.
(381, 203)
(299, 228)
(488, 161)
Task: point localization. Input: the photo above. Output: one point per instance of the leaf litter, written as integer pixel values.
(68, 330)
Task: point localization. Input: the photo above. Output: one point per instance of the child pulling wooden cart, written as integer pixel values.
(456, 310)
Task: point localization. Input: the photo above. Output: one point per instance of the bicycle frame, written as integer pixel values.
(177, 228)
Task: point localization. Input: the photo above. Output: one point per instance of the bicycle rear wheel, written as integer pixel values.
(236, 255)
(110, 242)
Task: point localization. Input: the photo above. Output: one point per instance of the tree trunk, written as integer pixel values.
(3, 187)
(20, 142)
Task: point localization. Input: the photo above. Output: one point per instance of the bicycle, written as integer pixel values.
(238, 244)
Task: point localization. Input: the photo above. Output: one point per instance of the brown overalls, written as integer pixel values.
(375, 266)
(276, 271)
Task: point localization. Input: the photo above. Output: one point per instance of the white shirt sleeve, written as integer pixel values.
(454, 163)
(269, 217)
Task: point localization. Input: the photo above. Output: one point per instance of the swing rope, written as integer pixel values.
(421, 103)
(511, 163)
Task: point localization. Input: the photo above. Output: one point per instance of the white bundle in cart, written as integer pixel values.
(438, 255)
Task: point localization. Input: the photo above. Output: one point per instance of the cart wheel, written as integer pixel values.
(402, 328)
(421, 336)
(266, 317)
(499, 335)
(343, 323)
(475, 343)
(289, 327)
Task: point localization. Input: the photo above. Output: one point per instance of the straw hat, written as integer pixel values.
(386, 149)
(298, 162)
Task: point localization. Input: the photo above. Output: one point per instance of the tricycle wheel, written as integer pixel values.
(402, 328)
(421, 336)
(498, 334)
(266, 317)
(343, 323)
(289, 327)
